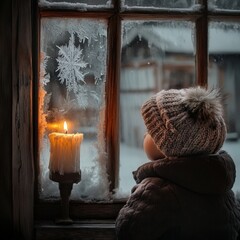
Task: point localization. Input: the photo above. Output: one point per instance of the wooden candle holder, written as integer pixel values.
(65, 187)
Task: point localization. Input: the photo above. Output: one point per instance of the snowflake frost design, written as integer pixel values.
(70, 64)
(44, 77)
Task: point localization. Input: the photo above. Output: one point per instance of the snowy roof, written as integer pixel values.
(182, 39)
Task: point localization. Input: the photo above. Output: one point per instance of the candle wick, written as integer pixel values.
(66, 131)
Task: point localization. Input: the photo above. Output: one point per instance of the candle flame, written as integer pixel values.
(65, 127)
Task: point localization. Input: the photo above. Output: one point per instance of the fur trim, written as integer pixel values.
(203, 104)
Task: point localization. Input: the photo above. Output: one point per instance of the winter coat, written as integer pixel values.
(186, 198)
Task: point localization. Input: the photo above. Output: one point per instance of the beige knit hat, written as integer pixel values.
(186, 122)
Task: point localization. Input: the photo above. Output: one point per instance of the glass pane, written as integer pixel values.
(161, 4)
(224, 72)
(72, 89)
(156, 55)
(232, 5)
(76, 4)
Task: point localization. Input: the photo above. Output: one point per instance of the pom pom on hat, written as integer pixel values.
(202, 104)
(185, 122)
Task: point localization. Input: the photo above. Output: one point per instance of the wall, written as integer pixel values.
(16, 161)
(5, 117)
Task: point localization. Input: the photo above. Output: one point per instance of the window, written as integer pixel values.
(72, 89)
(100, 60)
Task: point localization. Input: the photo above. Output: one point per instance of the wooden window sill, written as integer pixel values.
(81, 230)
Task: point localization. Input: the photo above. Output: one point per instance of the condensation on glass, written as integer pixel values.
(161, 4)
(224, 72)
(71, 88)
(76, 4)
(224, 5)
(155, 55)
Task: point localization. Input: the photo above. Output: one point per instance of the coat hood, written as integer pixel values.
(207, 174)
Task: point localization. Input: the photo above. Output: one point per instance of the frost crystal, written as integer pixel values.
(70, 63)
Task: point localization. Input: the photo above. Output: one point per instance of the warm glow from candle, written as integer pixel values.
(65, 151)
(65, 127)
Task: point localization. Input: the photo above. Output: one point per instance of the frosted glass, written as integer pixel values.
(173, 4)
(231, 5)
(72, 89)
(224, 72)
(76, 4)
(156, 55)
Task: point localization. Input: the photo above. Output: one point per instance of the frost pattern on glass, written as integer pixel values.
(161, 4)
(70, 69)
(70, 63)
(43, 98)
(223, 5)
(72, 88)
(82, 5)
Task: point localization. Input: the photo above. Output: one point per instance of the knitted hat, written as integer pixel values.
(185, 122)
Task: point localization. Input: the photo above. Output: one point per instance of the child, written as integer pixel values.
(184, 193)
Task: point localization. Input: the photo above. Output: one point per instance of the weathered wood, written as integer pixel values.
(112, 100)
(51, 210)
(202, 48)
(5, 119)
(22, 157)
(78, 230)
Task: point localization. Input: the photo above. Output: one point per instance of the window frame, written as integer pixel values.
(47, 210)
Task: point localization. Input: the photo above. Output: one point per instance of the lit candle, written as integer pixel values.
(65, 152)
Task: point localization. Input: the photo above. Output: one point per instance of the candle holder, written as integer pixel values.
(65, 182)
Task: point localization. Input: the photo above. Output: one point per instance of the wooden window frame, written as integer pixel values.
(26, 209)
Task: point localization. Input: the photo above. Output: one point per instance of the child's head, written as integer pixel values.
(184, 122)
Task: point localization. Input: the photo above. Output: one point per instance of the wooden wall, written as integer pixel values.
(16, 161)
(5, 117)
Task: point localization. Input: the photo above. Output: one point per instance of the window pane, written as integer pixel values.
(158, 4)
(72, 89)
(76, 4)
(155, 55)
(232, 5)
(224, 72)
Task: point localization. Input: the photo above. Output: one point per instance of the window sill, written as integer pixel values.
(84, 230)
(49, 210)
